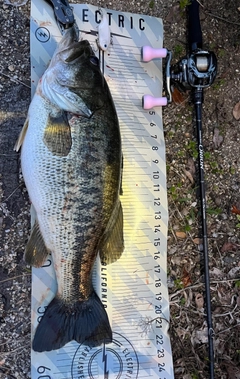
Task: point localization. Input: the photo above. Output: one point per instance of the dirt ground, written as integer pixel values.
(220, 21)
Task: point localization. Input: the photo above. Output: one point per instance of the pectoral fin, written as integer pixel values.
(57, 135)
(112, 244)
(21, 137)
(36, 251)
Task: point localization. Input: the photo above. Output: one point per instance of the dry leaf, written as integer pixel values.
(218, 345)
(228, 246)
(215, 272)
(181, 235)
(199, 301)
(199, 336)
(191, 166)
(186, 280)
(197, 241)
(202, 335)
(217, 138)
(178, 97)
(235, 210)
(233, 371)
(236, 111)
(234, 272)
(182, 333)
(189, 176)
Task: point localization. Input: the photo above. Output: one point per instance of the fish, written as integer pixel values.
(71, 159)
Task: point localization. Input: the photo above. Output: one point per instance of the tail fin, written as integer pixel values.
(84, 321)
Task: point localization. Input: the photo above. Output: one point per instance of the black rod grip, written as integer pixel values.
(194, 27)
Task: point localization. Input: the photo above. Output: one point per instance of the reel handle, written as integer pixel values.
(194, 27)
(148, 53)
(149, 102)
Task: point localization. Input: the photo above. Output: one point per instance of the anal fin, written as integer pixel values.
(112, 243)
(36, 251)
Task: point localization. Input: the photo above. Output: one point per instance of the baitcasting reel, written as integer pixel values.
(199, 69)
(196, 70)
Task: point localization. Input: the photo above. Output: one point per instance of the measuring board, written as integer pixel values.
(134, 289)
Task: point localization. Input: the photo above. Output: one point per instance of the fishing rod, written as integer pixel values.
(194, 72)
(203, 70)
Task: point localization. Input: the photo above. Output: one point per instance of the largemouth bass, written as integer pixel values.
(71, 163)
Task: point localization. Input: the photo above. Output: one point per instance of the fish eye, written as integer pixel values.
(94, 60)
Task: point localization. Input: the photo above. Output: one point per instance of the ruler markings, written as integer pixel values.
(136, 153)
(128, 133)
(129, 136)
(133, 169)
(132, 312)
(124, 67)
(125, 62)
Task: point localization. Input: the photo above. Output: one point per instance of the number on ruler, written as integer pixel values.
(158, 309)
(157, 255)
(159, 296)
(161, 367)
(158, 322)
(161, 353)
(158, 282)
(159, 339)
(41, 312)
